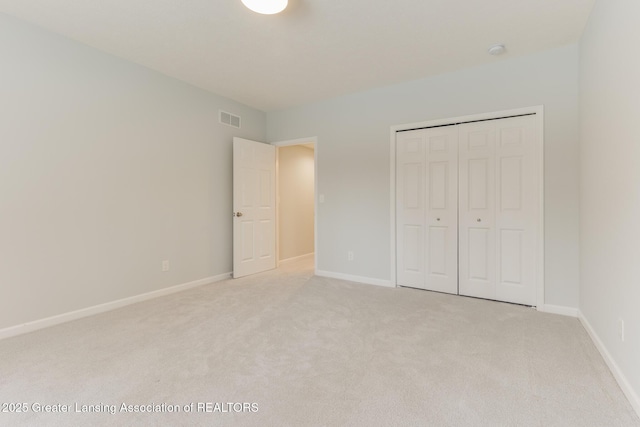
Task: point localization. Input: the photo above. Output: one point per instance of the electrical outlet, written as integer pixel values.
(350, 256)
(165, 265)
(621, 329)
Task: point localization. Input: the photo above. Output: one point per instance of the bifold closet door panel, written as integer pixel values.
(517, 209)
(499, 209)
(477, 209)
(410, 210)
(442, 209)
(427, 209)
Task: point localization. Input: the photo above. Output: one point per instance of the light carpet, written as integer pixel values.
(300, 350)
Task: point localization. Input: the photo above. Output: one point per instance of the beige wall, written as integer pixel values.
(296, 196)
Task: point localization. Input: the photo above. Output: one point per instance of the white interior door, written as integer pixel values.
(427, 223)
(254, 207)
(499, 209)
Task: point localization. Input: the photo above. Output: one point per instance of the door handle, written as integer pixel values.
(238, 214)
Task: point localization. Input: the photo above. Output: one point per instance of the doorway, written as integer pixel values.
(296, 182)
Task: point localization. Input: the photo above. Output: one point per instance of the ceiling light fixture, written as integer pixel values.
(266, 7)
(497, 49)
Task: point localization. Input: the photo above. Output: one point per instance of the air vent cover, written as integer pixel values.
(229, 119)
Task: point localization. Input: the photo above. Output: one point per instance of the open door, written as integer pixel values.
(254, 207)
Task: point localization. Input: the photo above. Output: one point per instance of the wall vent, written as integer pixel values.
(229, 119)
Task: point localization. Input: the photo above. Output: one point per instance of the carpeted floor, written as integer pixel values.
(291, 349)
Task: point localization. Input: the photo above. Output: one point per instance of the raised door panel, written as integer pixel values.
(511, 257)
(247, 252)
(412, 249)
(437, 252)
(264, 212)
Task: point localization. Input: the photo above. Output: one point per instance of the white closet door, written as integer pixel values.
(427, 209)
(410, 209)
(477, 209)
(517, 210)
(499, 209)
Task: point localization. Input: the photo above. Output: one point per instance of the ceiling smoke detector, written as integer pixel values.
(497, 49)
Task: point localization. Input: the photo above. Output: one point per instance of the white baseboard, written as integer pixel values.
(357, 279)
(297, 257)
(628, 391)
(101, 308)
(558, 309)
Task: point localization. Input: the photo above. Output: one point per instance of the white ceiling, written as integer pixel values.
(315, 49)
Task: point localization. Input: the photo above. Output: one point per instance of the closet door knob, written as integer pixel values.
(479, 220)
(437, 219)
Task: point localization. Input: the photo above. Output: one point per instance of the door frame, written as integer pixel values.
(539, 111)
(285, 143)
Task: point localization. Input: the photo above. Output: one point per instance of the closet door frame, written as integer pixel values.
(539, 112)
